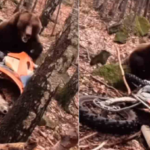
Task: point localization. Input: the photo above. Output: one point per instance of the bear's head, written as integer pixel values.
(28, 25)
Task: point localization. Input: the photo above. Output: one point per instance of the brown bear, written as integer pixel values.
(139, 61)
(20, 33)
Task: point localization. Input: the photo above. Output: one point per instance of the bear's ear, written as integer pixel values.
(14, 19)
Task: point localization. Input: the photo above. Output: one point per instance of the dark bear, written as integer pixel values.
(139, 61)
(20, 33)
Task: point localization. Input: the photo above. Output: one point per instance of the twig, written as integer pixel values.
(88, 136)
(56, 18)
(83, 146)
(51, 143)
(31, 144)
(125, 139)
(144, 109)
(100, 146)
(108, 86)
(142, 101)
(122, 72)
(67, 141)
(88, 55)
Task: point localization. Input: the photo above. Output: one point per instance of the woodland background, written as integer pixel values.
(109, 25)
(59, 125)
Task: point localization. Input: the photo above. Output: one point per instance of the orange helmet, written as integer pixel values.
(15, 71)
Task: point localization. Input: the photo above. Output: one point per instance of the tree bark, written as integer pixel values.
(19, 6)
(114, 9)
(35, 3)
(135, 10)
(2, 4)
(65, 94)
(21, 120)
(48, 12)
(140, 7)
(124, 5)
(146, 8)
(28, 4)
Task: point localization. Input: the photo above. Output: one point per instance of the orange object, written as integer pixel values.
(13, 76)
(25, 67)
(26, 64)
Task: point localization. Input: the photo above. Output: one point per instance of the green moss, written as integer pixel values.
(142, 26)
(63, 97)
(121, 37)
(112, 74)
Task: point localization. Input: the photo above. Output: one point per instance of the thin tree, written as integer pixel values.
(20, 5)
(48, 12)
(21, 120)
(146, 7)
(35, 3)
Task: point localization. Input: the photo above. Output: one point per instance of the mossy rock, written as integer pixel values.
(121, 37)
(112, 74)
(114, 28)
(142, 26)
(45, 121)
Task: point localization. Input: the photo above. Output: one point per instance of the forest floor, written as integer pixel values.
(59, 121)
(94, 38)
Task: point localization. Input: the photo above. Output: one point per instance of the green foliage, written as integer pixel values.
(121, 37)
(142, 26)
(112, 74)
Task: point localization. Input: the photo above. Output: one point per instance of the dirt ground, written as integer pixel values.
(59, 120)
(93, 39)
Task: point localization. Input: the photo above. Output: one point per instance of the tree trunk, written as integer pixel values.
(56, 18)
(35, 3)
(2, 4)
(114, 9)
(65, 94)
(124, 5)
(21, 120)
(139, 7)
(28, 4)
(111, 12)
(136, 10)
(48, 12)
(146, 8)
(20, 5)
(97, 4)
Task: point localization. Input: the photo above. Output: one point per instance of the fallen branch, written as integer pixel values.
(30, 145)
(56, 18)
(88, 136)
(124, 140)
(108, 86)
(100, 146)
(67, 141)
(122, 73)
